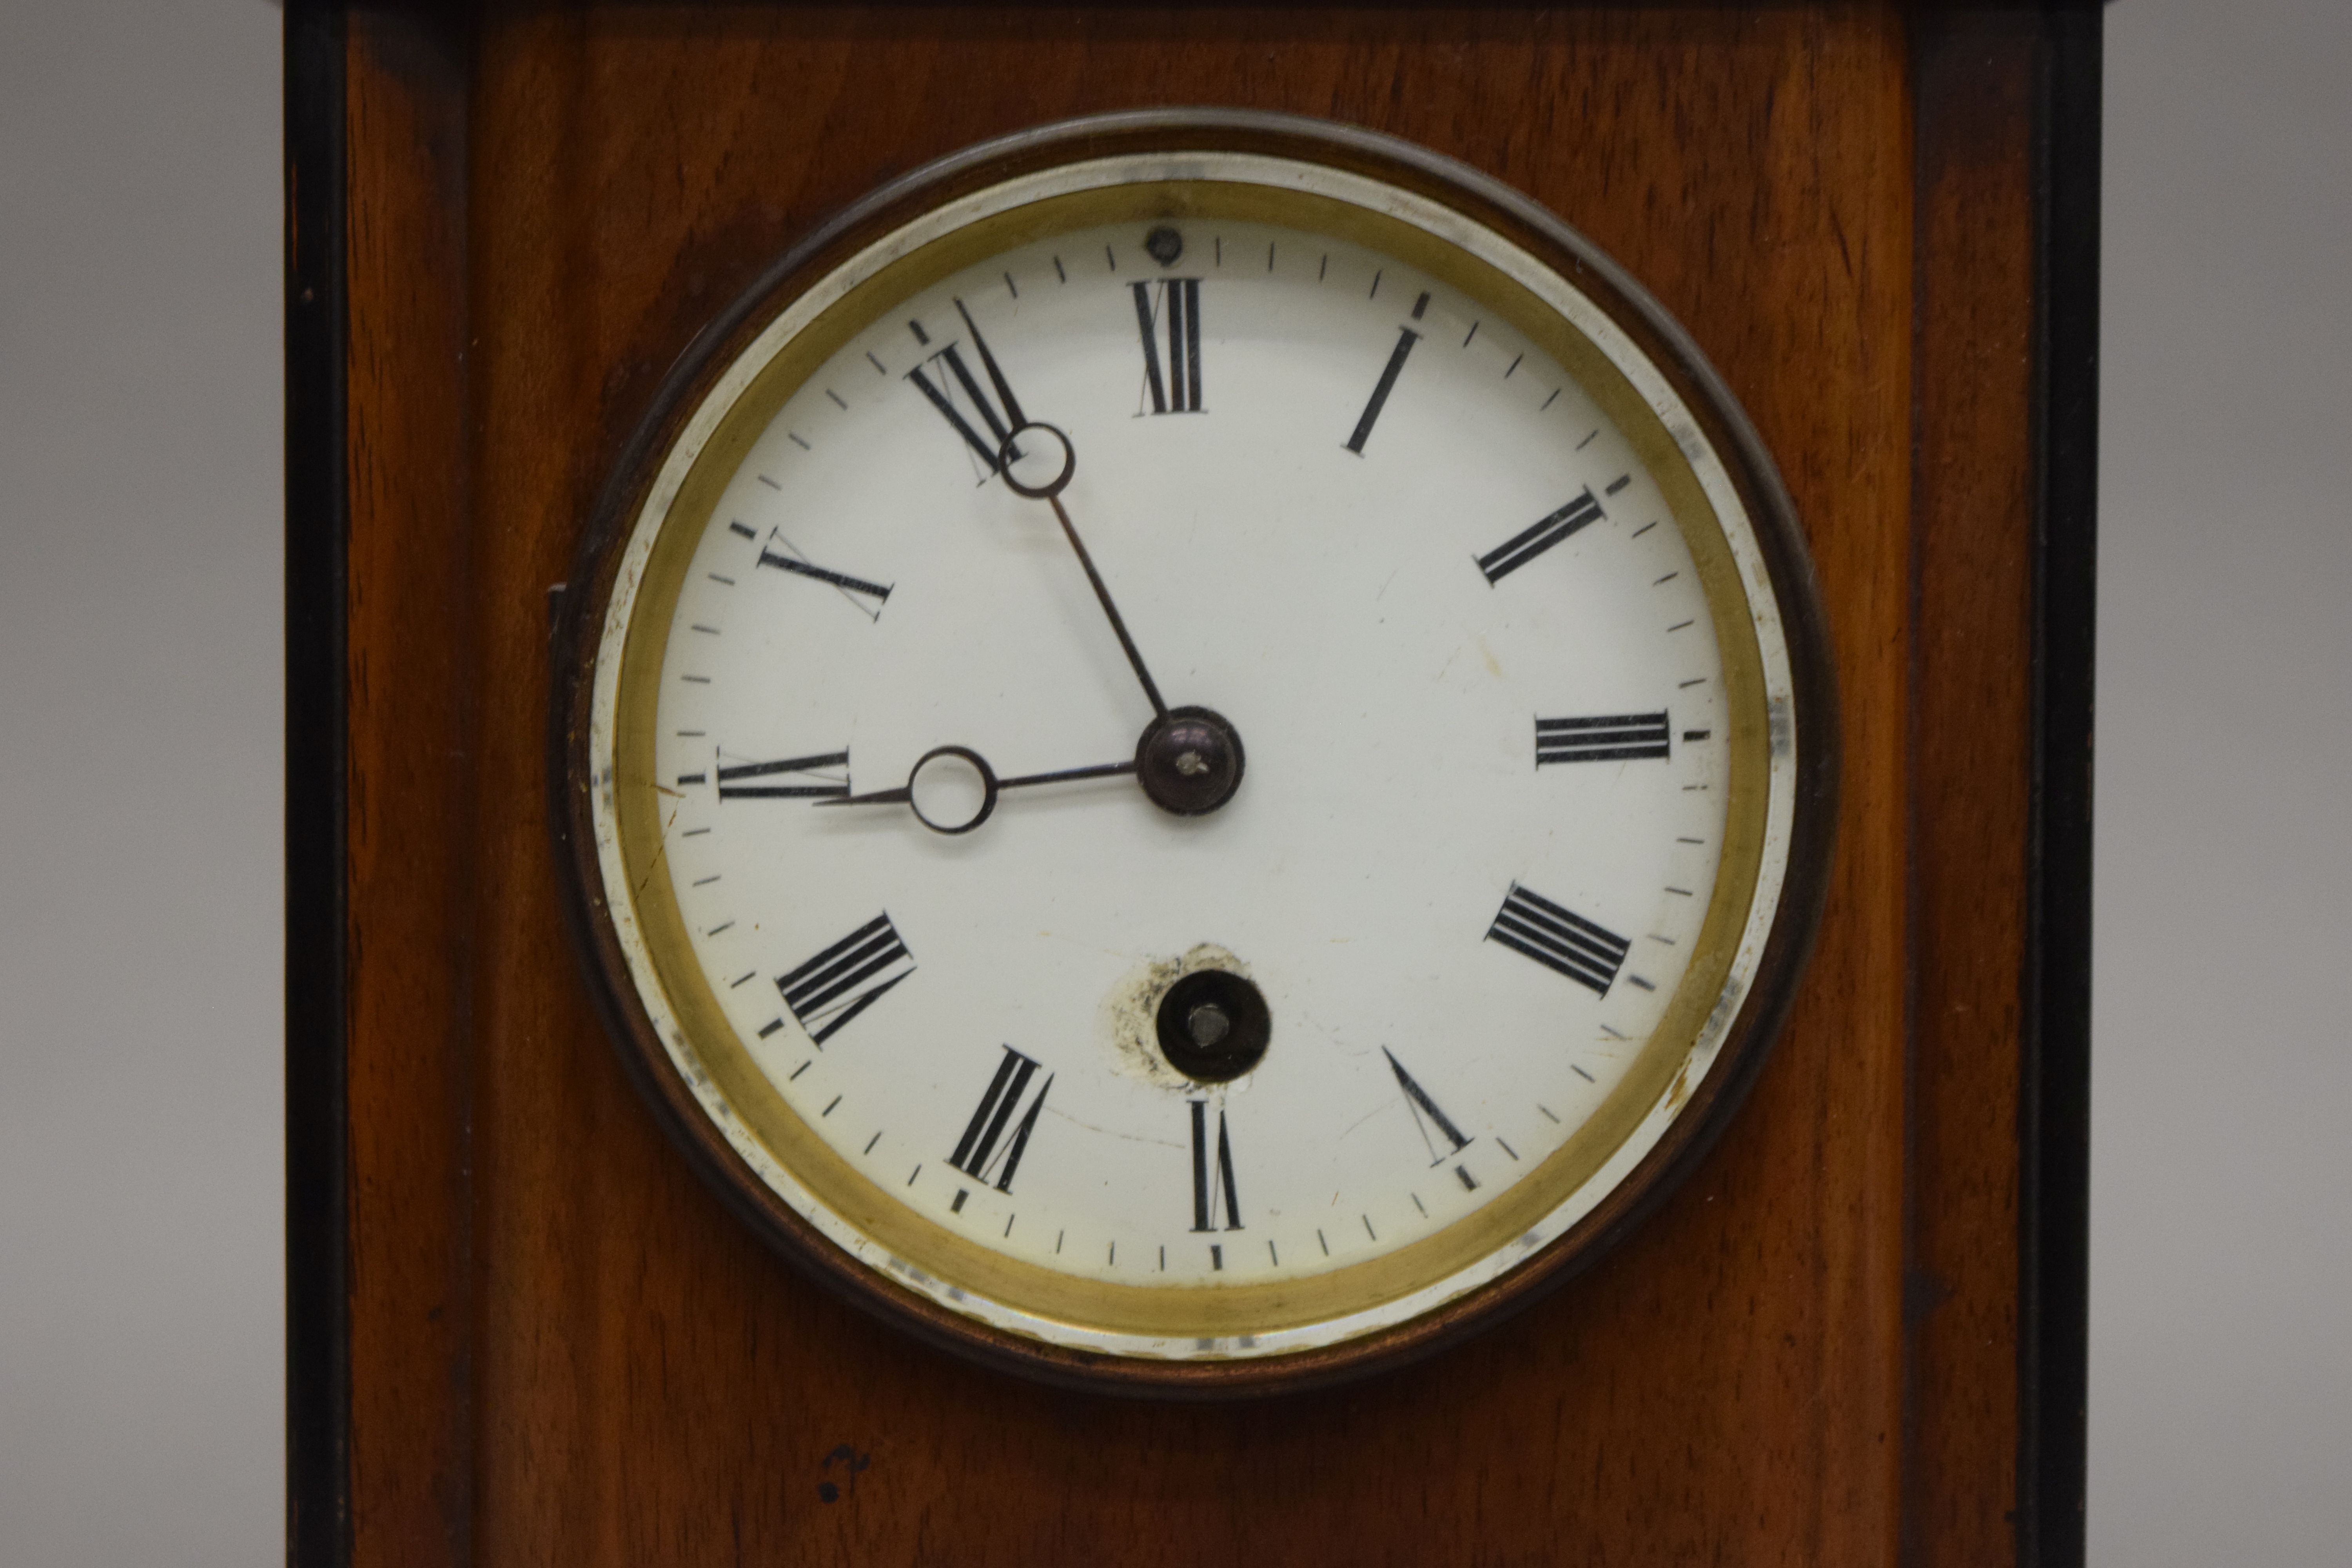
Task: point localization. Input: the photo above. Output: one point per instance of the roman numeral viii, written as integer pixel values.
(1560, 939)
(1178, 300)
(1525, 546)
(1212, 1179)
(954, 377)
(977, 1152)
(1616, 738)
(846, 979)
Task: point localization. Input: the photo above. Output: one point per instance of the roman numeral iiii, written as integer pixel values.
(1560, 939)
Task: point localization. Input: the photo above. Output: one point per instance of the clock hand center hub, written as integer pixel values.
(1190, 761)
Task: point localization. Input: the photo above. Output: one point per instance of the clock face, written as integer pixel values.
(1190, 756)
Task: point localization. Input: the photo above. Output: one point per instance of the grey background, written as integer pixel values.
(140, 600)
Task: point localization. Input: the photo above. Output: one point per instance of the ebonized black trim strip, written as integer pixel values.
(318, 1322)
(2053, 1122)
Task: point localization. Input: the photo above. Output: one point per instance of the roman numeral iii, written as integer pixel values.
(1212, 1179)
(978, 1153)
(1178, 301)
(1616, 738)
(1560, 939)
(956, 388)
(1525, 546)
(846, 979)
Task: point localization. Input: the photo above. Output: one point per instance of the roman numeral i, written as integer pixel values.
(829, 990)
(977, 1152)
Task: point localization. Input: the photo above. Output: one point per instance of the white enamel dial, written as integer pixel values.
(1461, 795)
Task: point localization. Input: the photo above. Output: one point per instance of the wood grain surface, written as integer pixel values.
(564, 1351)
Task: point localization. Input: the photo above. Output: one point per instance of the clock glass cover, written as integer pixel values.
(1194, 751)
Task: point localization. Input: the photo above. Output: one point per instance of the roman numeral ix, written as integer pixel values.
(1179, 300)
(1616, 738)
(846, 979)
(977, 1152)
(1003, 417)
(732, 784)
(1522, 548)
(1213, 1181)
(1560, 939)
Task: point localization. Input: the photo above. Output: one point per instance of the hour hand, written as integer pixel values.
(951, 789)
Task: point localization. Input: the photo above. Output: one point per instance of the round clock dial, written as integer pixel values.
(1194, 751)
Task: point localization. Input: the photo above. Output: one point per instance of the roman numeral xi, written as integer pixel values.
(954, 377)
(1178, 301)
(1613, 738)
(829, 990)
(978, 1153)
(1560, 939)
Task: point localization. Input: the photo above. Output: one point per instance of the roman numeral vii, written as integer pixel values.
(983, 1150)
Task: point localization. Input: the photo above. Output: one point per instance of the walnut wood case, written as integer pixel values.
(522, 1329)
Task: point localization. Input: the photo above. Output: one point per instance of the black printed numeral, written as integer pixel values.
(1406, 338)
(868, 597)
(846, 979)
(950, 387)
(1213, 1174)
(1560, 939)
(983, 1152)
(1176, 301)
(1614, 738)
(1522, 548)
(1434, 1125)
(733, 779)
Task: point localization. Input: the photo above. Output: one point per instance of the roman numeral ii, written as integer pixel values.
(846, 979)
(977, 1152)
(1526, 545)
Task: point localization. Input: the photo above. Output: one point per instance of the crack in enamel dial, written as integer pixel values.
(1191, 757)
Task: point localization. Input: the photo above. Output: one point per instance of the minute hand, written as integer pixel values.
(1051, 494)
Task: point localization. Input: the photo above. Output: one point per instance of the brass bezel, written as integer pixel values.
(916, 1245)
